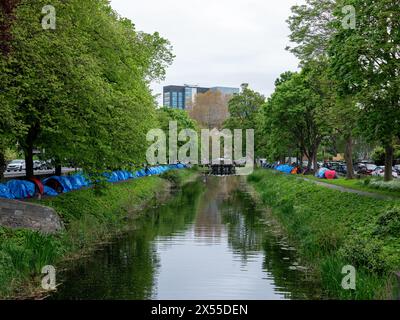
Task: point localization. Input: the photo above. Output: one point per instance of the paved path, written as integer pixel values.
(345, 189)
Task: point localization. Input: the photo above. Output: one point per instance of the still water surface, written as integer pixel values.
(208, 242)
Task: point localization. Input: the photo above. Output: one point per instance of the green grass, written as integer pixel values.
(89, 218)
(332, 229)
(363, 184)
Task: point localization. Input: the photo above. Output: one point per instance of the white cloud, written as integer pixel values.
(219, 42)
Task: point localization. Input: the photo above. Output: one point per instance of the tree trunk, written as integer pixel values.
(3, 164)
(312, 159)
(28, 149)
(29, 161)
(348, 156)
(58, 170)
(315, 160)
(309, 164)
(388, 162)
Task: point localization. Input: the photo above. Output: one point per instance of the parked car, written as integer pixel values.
(37, 165)
(380, 172)
(16, 165)
(342, 169)
(366, 168)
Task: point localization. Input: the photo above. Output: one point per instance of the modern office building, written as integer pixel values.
(182, 97)
(226, 90)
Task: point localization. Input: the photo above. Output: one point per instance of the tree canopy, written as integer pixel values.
(81, 92)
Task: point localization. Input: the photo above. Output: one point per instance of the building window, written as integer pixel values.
(167, 99)
(175, 99)
(180, 100)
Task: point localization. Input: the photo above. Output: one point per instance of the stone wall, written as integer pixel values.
(18, 214)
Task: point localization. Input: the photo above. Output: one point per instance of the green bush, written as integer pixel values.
(366, 253)
(393, 185)
(388, 224)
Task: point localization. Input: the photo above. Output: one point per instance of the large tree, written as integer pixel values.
(244, 113)
(295, 114)
(82, 90)
(210, 109)
(8, 125)
(312, 30)
(366, 63)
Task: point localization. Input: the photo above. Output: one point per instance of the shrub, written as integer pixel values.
(382, 185)
(388, 224)
(361, 252)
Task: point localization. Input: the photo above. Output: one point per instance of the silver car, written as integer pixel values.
(16, 165)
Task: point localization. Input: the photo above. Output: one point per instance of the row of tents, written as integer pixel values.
(323, 173)
(55, 185)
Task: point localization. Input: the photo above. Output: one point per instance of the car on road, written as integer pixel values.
(42, 165)
(366, 168)
(37, 165)
(16, 165)
(380, 172)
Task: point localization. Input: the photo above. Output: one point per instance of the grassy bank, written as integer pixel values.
(332, 229)
(89, 218)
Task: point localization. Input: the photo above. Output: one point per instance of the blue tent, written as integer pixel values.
(284, 168)
(120, 175)
(75, 182)
(321, 173)
(5, 192)
(141, 173)
(82, 180)
(50, 191)
(21, 189)
(63, 181)
(112, 177)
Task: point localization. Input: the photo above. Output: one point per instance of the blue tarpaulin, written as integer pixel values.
(5, 192)
(112, 177)
(83, 182)
(321, 173)
(21, 189)
(285, 168)
(63, 181)
(50, 191)
(75, 182)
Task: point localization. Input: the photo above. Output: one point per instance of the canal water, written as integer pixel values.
(209, 242)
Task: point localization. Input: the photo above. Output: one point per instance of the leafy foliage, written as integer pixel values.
(81, 92)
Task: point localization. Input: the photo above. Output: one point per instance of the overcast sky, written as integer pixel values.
(218, 42)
